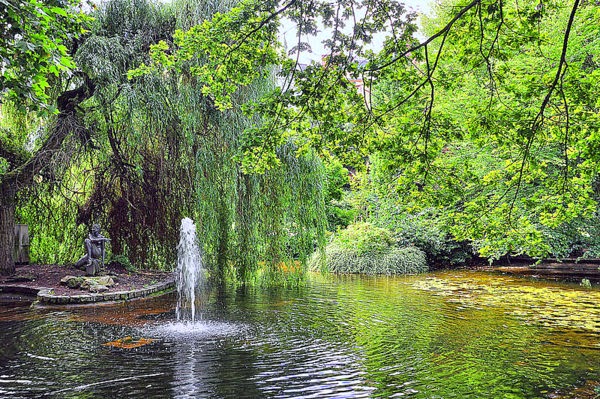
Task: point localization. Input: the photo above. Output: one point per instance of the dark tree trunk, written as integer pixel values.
(8, 191)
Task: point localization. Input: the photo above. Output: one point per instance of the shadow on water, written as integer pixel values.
(444, 335)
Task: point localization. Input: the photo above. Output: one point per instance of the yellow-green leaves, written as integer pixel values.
(222, 54)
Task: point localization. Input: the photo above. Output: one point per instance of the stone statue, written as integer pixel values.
(95, 252)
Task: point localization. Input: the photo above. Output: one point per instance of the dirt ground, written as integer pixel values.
(49, 276)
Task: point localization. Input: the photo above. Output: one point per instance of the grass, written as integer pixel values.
(393, 261)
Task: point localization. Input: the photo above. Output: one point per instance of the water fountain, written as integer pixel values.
(190, 274)
(190, 278)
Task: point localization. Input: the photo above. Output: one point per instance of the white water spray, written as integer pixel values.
(190, 272)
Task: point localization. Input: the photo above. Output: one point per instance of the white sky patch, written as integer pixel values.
(288, 34)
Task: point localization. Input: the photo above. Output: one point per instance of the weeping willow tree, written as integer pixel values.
(162, 145)
(244, 220)
(118, 175)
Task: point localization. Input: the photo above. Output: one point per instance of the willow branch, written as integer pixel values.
(66, 123)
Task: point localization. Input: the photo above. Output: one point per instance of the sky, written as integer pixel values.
(288, 33)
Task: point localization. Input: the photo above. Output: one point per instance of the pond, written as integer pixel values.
(453, 334)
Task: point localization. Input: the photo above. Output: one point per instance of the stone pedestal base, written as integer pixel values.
(92, 268)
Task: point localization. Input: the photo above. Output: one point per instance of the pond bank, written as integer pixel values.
(569, 269)
(43, 283)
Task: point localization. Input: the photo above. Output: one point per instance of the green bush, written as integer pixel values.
(425, 231)
(364, 238)
(409, 260)
(364, 248)
(339, 214)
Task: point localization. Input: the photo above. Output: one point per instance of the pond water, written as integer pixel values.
(458, 334)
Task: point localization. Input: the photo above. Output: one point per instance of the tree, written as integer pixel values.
(203, 84)
(217, 63)
(35, 41)
(145, 130)
(21, 170)
(34, 45)
(500, 151)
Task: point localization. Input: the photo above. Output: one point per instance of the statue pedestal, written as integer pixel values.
(92, 268)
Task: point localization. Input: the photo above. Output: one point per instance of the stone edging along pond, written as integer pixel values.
(46, 297)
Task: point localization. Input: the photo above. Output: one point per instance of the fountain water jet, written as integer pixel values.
(190, 272)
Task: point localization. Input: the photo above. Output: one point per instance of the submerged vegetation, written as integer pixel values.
(476, 142)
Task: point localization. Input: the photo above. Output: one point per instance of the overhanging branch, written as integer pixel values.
(66, 123)
(441, 32)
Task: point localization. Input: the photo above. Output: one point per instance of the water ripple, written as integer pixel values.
(448, 335)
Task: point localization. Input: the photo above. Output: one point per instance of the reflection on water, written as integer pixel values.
(445, 335)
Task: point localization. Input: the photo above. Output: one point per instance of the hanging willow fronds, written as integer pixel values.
(159, 150)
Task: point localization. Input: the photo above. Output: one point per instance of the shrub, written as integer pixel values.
(339, 214)
(364, 238)
(364, 248)
(425, 231)
(409, 260)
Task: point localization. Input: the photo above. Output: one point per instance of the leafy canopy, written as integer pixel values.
(227, 52)
(35, 37)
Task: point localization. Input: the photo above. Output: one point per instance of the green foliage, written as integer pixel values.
(339, 211)
(364, 238)
(320, 109)
(133, 135)
(59, 240)
(408, 260)
(364, 248)
(339, 214)
(123, 261)
(244, 220)
(425, 231)
(409, 222)
(4, 165)
(491, 144)
(34, 46)
(337, 180)
(19, 134)
(223, 54)
(481, 136)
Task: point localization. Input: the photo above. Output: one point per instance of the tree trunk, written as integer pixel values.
(8, 191)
